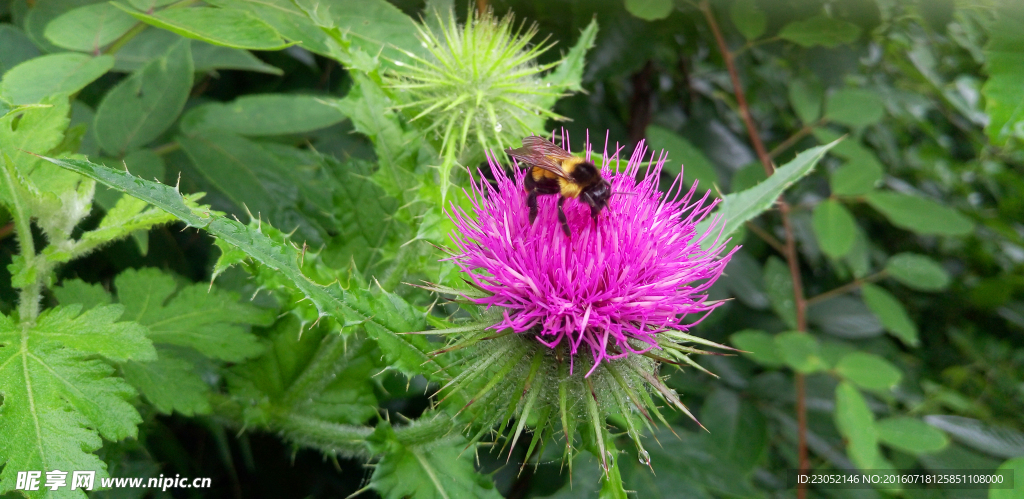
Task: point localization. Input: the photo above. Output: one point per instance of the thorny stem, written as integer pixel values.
(792, 259)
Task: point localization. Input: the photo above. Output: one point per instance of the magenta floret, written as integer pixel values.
(612, 286)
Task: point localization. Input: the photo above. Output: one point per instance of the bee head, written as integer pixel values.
(596, 196)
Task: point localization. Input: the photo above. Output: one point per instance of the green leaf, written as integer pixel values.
(779, 285)
(42, 13)
(748, 19)
(142, 162)
(649, 10)
(891, 313)
(169, 384)
(152, 43)
(140, 107)
(820, 30)
(439, 470)
(569, 73)
(208, 320)
(800, 351)
(738, 207)
(290, 21)
(854, 107)
(759, 346)
(383, 316)
(844, 316)
(869, 371)
(1004, 63)
(806, 95)
(59, 395)
(917, 272)
(834, 227)
(17, 47)
(738, 430)
(267, 114)
(318, 374)
(267, 186)
(78, 291)
(920, 215)
(30, 81)
(224, 27)
(683, 157)
(862, 171)
(910, 435)
(89, 28)
(1013, 467)
(857, 424)
(998, 441)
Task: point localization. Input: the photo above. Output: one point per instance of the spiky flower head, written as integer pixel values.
(595, 312)
(479, 87)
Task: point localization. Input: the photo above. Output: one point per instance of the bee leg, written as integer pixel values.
(531, 201)
(561, 217)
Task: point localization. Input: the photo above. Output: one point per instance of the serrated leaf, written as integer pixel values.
(759, 346)
(649, 10)
(800, 351)
(910, 435)
(58, 396)
(127, 216)
(438, 471)
(917, 272)
(868, 371)
(383, 317)
(891, 313)
(920, 215)
(261, 183)
(224, 27)
(569, 74)
(1004, 63)
(779, 285)
(738, 207)
(748, 19)
(30, 81)
(194, 316)
(266, 114)
(89, 28)
(834, 228)
(77, 291)
(683, 157)
(142, 162)
(820, 30)
(140, 107)
(855, 421)
(854, 107)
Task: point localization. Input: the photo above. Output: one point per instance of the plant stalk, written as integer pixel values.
(792, 258)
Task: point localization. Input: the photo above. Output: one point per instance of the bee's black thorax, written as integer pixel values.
(584, 173)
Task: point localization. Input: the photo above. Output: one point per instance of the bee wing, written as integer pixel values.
(541, 153)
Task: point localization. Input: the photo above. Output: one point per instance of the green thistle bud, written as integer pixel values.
(478, 89)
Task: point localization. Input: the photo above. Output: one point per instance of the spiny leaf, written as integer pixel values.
(383, 317)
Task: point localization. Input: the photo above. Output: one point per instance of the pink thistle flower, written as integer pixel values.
(611, 287)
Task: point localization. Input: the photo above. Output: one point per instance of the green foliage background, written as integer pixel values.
(254, 333)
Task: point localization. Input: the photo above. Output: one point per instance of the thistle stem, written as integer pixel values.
(792, 259)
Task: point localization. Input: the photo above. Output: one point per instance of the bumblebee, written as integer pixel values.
(554, 171)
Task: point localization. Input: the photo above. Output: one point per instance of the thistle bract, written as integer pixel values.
(479, 87)
(595, 312)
